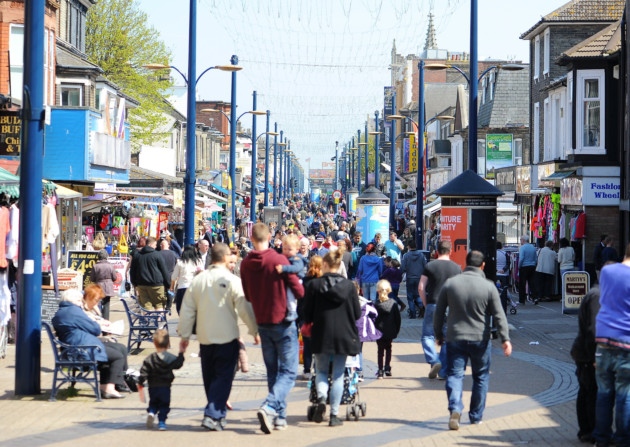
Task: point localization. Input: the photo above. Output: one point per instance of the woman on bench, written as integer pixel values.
(74, 327)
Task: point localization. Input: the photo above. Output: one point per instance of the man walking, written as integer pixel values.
(204, 248)
(413, 265)
(149, 276)
(612, 358)
(471, 300)
(433, 278)
(526, 268)
(265, 288)
(213, 303)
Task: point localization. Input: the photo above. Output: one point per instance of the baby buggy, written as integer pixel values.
(354, 407)
(506, 299)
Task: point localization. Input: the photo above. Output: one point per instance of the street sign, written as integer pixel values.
(336, 195)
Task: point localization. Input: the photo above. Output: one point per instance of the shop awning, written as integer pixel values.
(559, 175)
(219, 188)
(210, 194)
(432, 207)
(9, 183)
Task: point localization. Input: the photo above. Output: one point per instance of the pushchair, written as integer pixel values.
(354, 407)
(506, 299)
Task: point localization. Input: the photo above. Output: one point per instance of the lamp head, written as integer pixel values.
(228, 67)
(436, 66)
(153, 66)
(375, 133)
(209, 110)
(395, 117)
(257, 112)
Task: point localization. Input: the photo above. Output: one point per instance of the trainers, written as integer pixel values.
(320, 411)
(453, 422)
(361, 377)
(280, 424)
(479, 422)
(162, 426)
(265, 417)
(334, 421)
(306, 376)
(150, 420)
(379, 374)
(435, 369)
(211, 424)
(388, 371)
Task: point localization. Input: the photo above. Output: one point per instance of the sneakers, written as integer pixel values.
(334, 421)
(453, 422)
(265, 417)
(435, 369)
(361, 377)
(388, 371)
(150, 420)
(379, 374)
(320, 411)
(211, 424)
(280, 424)
(306, 376)
(162, 426)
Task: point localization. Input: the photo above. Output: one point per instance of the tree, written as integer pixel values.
(120, 41)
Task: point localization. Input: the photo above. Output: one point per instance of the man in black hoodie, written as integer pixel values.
(150, 277)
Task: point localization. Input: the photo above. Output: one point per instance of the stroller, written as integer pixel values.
(355, 408)
(506, 299)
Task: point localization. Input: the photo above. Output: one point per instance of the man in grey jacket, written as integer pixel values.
(471, 300)
(413, 263)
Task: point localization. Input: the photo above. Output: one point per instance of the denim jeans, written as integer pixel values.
(479, 353)
(428, 341)
(322, 362)
(280, 353)
(613, 391)
(369, 290)
(413, 296)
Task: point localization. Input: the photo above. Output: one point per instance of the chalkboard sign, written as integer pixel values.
(50, 304)
(82, 261)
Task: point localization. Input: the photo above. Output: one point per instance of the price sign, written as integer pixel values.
(82, 261)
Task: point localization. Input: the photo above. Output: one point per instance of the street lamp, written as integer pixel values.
(366, 162)
(377, 159)
(277, 174)
(252, 212)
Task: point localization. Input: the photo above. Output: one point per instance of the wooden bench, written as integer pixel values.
(143, 323)
(73, 364)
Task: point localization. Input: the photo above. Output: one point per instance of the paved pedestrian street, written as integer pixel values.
(531, 400)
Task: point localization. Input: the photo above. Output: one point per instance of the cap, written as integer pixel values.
(320, 238)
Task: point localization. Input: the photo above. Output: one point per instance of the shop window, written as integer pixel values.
(71, 95)
(590, 106)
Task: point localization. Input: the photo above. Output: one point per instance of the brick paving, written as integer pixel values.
(531, 400)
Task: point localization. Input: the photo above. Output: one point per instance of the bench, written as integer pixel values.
(143, 323)
(73, 364)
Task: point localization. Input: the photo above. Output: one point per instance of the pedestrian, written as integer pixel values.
(319, 249)
(157, 371)
(583, 354)
(388, 322)
(432, 280)
(566, 257)
(297, 266)
(612, 357)
(212, 304)
(526, 268)
(265, 288)
(358, 250)
(150, 277)
(471, 300)
(503, 266)
(189, 265)
(393, 246)
(314, 271)
(546, 269)
(413, 264)
(379, 245)
(332, 305)
(394, 275)
(597, 255)
(170, 259)
(104, 274)
(608, 252)
(203, 246)
(369, 272)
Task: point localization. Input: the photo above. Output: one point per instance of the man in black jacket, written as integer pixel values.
(149, 276)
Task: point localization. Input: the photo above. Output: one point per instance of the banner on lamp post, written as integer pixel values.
(499, 152)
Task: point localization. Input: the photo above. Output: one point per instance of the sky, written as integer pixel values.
(320, 66)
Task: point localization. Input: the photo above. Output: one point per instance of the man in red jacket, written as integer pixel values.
(266, 289)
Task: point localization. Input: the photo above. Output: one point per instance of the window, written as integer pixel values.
(491, 84)
(590, 119)
(536, 57)
(546, 130)
(481, 157)
(484, 86)
(536, 143)
(547, 46)
(71, 95)
(16, 53)
(518, 152)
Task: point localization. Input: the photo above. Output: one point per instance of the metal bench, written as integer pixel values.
(73, 364)
(143, 323)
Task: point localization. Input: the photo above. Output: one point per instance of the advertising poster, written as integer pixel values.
(372, 219)
(413, 154)
(498, 152)
(406, 154)
(454, 225)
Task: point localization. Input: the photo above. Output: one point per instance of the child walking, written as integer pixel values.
(388, 322)
(157, 370)
(394, 275)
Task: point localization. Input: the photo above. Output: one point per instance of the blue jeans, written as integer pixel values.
(413, 297)
(369, 290)
(612, 372)
(322, 362)
(428, 341)
(479, 353)
(280, 353)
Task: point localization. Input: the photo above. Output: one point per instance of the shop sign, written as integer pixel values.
(413, 154)
(437, 179)
(505, 179)
(10, 130)
(571, 191)
(523, 179)
(574, 288)
(601, 191)
(544, 171)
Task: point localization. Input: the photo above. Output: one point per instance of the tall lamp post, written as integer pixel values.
(191, 118)
(275, 148)
(252, 212)
(278, 186)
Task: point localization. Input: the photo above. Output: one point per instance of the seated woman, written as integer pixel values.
(116, 352)
(74, 327)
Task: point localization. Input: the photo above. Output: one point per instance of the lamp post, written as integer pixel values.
(191, 118)
(287, 159)
(278, 186)
(254, 179)
(392, 167)
(336, 165)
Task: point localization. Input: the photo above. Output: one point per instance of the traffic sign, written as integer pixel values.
(336, 194)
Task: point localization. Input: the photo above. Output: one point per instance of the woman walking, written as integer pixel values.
(185, 270)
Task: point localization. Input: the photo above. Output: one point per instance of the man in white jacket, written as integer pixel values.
(213, 303)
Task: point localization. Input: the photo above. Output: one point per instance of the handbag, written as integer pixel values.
(99, 242)
(132, 377)
(123, 247)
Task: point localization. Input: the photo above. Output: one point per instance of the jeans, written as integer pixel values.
(394, 294)
(384, 351)
(613, 391)
(428, 341)
(322, 363)
(525, 277)
(369, 290)
(413, 296)
(218, 363)
(586, 398)
(280, 353)
(160, 401)
(479, 353)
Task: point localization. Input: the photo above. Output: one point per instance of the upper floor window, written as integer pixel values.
(71, 95)
(590, 106)
(546, 51)
(537, 57)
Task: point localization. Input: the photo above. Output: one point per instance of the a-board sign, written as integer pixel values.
(575, 285)
(82, 261)
(272, 214)
(50, 303)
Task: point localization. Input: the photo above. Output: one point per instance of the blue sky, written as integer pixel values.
(320, 66)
